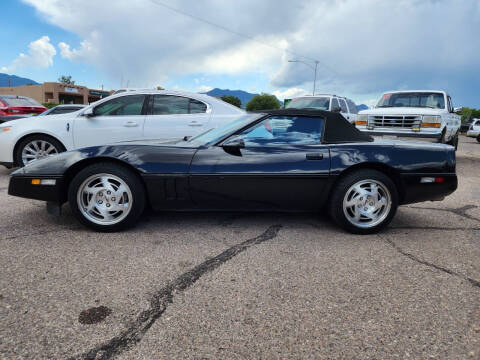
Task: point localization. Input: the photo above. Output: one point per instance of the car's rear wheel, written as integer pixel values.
(364, 202)
(36, 147)
(107, 197)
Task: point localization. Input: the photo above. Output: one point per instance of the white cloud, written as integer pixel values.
(204, 88)
(40, 55)
(289, 93)
(364, 47)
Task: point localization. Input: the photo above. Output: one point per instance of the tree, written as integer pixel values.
(160, 88)
(469, 113)
(67, 80)
(232, 100)
(263, 102)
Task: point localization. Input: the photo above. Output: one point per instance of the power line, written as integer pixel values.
(224, 28)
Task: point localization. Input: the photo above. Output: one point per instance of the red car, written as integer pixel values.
(19, 105)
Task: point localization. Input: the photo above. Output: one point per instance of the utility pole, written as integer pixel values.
(314, 68)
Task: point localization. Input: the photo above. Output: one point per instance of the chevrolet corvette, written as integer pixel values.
(282, 160)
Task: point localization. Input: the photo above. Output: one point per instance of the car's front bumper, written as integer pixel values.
(405, 134)
(473, 133)
(416, 191)
(21, 186)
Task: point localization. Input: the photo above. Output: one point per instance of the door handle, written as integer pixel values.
(194, 123)
(314, 156)
(130, 124)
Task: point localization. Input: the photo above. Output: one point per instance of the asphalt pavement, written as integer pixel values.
(244, 286)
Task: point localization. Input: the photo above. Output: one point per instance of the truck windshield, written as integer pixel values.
(317, 103)
(413, 99)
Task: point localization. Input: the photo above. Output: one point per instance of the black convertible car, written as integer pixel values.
(286, 160)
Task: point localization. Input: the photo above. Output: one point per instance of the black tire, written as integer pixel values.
(442, 138)
(130, 178)
(478, 138)
(454, 142)
(336, 208)
(27, 140)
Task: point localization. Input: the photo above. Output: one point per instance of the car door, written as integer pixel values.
(174, 117)
(280, 164)
(119, 119)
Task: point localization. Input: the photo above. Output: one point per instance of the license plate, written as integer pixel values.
(390, 136)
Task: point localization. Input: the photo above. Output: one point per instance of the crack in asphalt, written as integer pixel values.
(162, 298)
(473, 282)
(461, 211)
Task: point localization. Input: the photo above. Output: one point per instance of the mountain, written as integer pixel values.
(244, 96)
(362, 107)
(15, 80)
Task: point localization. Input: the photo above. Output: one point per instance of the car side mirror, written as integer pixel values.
(234, 142)
(88, 112)
(233, 145)
(458, 110)
(337, 109)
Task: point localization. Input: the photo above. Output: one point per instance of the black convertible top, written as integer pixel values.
(337, 128)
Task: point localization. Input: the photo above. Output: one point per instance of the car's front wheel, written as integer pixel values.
(107, 197)
(364, 201)
(36, 147)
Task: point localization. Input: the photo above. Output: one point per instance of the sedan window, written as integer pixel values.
(197, 107)
(170, 105)
(125, 105)
(284, 130)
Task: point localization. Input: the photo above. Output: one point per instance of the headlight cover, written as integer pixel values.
(431, 121)
(361, 119)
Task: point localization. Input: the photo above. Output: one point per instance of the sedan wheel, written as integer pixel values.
(37, 149)
(364, 201)
(107, 196)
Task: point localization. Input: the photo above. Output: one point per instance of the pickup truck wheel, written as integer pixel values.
(107, 197)
(454, 142)
(36, 147)
(364, 202)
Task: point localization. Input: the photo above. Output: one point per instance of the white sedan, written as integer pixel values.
(136, 115)
(474, 130)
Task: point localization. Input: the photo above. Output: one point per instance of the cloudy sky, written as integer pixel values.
(363, 47)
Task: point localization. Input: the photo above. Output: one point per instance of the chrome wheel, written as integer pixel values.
(37, 149)
(104, 199)
(367, 203)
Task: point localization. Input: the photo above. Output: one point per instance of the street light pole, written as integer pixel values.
(315, 78)
(314, 68)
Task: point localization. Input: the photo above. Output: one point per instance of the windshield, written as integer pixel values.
(413, 99)
(318, 103)
(19, 101)
(215, 134)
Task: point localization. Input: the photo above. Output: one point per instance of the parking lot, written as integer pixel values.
(236, 285)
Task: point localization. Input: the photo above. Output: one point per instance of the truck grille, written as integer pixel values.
(395, 121)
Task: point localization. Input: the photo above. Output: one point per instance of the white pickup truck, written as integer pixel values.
(423, 114)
